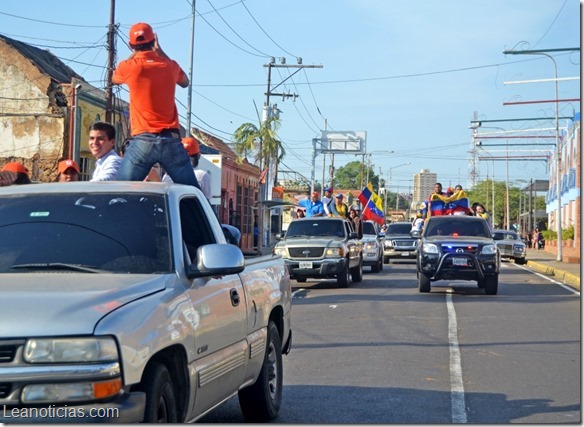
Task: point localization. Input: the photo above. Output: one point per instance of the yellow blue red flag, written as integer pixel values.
(372, 207)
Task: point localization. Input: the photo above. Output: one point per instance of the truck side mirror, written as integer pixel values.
(353, 235)
(416, 234)
(217, 259)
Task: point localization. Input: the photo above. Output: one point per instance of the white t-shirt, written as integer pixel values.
(204, 182)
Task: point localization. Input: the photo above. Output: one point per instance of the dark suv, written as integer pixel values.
(458, 248)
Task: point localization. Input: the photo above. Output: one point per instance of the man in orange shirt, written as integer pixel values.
(151, 77)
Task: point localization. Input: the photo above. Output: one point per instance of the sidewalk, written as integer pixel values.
(545, 263)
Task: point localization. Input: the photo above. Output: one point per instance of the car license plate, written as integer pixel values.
(462, 262)
(305, 264)
(405, 254)
(371, 255)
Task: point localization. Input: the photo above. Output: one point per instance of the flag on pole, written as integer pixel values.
(372, 206)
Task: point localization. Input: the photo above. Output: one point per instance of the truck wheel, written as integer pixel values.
(386, 260)
(160, 398)
(357, 272)
(491, 284)
(260, 402)
(423, 282)
(301, 279)
(520, 261)
(343, 277)
(481, 283)
(375, 268)
(380, 263)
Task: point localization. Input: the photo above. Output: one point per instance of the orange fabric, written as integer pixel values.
(15, 167)
(152, 82)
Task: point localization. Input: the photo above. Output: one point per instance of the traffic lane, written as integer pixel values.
(520, 351)
(369, 354)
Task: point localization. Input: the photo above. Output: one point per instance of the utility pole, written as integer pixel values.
(268, 111)
(111, 59)
(190, 92)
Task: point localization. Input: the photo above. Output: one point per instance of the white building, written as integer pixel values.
(423, 187)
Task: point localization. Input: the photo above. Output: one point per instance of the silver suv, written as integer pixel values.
(398, 244)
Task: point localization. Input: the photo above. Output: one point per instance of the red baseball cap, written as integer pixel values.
(141, 33)
(191, 145)
(66, 164)
(15, 167)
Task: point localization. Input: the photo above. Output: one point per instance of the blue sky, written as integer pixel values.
(409, 73)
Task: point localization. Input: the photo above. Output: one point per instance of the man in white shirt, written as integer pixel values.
(329, 203)
(102, 138)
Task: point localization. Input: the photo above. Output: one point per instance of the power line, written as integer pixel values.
(52, 23)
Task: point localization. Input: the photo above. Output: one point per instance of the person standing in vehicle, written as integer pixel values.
(313, 206)
(15, 173)
(68, 171)
(341, 207)
(357, 222)
(329, 203)
(480, 211)
(151, 77)
(102, 138)
(418, 222)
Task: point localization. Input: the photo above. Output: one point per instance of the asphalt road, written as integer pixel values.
(381, 352)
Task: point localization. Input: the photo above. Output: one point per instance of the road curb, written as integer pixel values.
(568, 278)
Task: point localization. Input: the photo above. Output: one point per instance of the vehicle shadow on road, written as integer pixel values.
(324, 404)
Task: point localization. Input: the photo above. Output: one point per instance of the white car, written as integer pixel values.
(372, 249)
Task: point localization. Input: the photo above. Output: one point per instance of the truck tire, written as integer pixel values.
(423, 282)
(491, 284)
(343, 277)
(301, 279)
(386, 260)
(160, 397)
(520, 261)
(357, 272)
(260, 402)
(377, 267)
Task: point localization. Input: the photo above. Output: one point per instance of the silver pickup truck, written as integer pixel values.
(122, 302)
(322, 247)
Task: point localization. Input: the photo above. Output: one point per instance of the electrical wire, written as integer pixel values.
(236, 33)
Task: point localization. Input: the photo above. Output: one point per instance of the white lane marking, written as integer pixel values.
(543, 276)
(456, 385)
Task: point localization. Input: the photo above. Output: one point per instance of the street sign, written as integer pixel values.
(354, 142)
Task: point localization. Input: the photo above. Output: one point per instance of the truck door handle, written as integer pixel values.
(234, 297)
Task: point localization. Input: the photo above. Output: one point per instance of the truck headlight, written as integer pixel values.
(489, 250)
(388, 243)
(68, 350)
(370, 246)
(333, 252)
(429, 248)
(283, 252)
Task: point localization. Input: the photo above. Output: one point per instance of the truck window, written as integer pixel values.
(195, 228)
(119, 233)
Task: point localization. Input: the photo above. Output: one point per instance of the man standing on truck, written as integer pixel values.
(151, 77)
(313, 206)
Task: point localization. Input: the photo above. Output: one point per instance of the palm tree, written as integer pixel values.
(271, 151)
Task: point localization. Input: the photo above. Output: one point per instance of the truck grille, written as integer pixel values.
(404, 243)
(7, 353)
(306, 252)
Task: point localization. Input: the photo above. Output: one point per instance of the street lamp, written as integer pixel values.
(558, 148)
(388, 174)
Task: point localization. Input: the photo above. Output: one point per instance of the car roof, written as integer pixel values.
(446, 218)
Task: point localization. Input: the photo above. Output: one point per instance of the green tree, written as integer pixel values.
(262, 142)
(351, 175)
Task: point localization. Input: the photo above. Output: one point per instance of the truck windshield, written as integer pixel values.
(309, 227)
(450, 227)
(369, 228)
(120, 233)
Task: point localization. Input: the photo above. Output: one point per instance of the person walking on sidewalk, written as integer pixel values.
(151, 77)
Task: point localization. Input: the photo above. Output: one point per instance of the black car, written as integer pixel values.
(458, 248)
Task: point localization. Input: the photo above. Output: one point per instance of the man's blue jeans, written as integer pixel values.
(146, 149)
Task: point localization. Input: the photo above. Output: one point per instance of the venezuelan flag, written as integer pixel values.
(449, 205)
(372, 205)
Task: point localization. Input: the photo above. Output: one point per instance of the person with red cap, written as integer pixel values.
(203, 178)
(151, 77)
(15, 173)
(313, 206)
(68, 171)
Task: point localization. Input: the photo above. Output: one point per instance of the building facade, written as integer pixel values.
(423, 186)
(570, 173)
